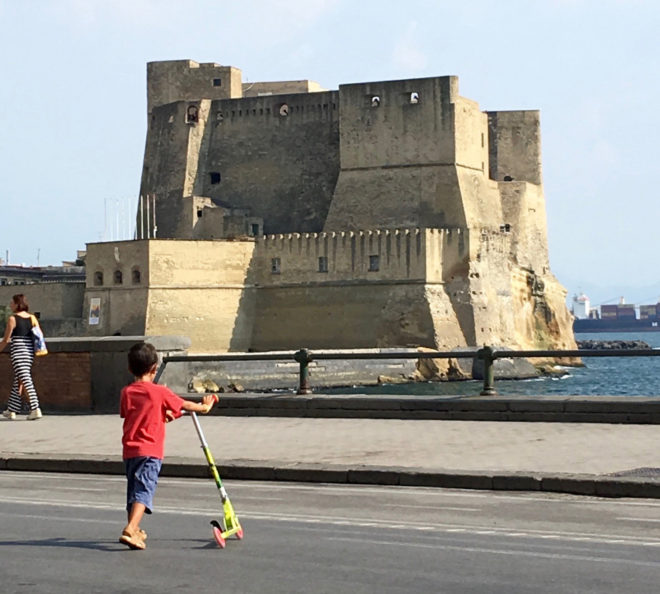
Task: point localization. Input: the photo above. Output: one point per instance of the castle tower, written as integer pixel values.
(187, 80)
(414, 153)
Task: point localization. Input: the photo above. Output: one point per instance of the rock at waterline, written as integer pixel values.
(606, 345)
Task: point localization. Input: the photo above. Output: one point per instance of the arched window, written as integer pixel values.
(136, 277)
(118, 277)
(192, 114)
(98, 279)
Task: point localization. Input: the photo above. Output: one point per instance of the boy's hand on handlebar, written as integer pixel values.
(208, 401)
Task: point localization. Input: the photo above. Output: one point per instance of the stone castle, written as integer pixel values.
(280, 215)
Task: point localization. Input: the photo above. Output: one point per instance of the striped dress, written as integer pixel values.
(21, 353)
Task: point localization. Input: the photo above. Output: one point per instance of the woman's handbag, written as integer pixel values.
(38, 340)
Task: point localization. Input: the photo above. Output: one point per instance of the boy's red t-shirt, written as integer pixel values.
(142, 406)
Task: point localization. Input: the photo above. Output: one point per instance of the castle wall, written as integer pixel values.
(471, 134)
(379, 255)
(283, 168)
(402, 302)
(187, 80)
(391, 197)
(368, 292)
(287, 87)
(51, 301)
(406, 158)
(397, 131)
(203, 290)
(515, 145)
(164, 171)
(122, 304)
(523, 206)
(346, 315)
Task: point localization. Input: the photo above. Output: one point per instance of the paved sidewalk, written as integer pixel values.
(565, 457)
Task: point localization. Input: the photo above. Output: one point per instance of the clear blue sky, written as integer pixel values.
(73, 96)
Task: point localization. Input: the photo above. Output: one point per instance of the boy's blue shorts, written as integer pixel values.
(142, 474)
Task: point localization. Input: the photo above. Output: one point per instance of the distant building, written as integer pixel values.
(29, 275)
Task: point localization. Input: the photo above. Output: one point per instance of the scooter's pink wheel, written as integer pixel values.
(239, 534)
(217, 534)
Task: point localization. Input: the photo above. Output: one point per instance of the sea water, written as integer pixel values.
(601, 376)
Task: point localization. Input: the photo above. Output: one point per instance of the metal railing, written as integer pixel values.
(487, 354)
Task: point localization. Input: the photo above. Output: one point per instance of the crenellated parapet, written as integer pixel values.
(375, 255)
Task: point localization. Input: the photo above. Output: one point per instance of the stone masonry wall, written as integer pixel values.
(283, 168)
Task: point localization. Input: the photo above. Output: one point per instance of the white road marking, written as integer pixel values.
(509, 552)
(432, 507)
(361, 523)
(237, 484)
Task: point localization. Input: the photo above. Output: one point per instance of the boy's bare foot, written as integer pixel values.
(133, 541)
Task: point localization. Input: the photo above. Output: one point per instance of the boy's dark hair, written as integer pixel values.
(141, 358)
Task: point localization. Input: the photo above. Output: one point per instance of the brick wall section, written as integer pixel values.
(63, 381)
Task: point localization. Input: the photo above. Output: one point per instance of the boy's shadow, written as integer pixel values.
(106, 546)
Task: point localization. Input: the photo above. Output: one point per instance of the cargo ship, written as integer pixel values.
(620, 317)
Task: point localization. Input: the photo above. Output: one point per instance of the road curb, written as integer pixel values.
(588, 485)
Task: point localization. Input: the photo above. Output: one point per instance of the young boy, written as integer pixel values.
(145, 408)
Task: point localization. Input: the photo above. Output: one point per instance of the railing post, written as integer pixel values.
(304, 357)
(489, 371)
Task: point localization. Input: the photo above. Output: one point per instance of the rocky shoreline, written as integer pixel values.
(606, 345)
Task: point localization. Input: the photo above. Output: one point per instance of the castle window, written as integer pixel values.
(482, 140)
(508, 178)
(375, 101)
(217, 82)
(215, 177)
(323, 264)
(284, 110)
(98, 279)
(254, 229)
(374, 263)
(136, 277)
(118, 277)
(192, 114)
(414, 98)
(200, 212)
(275, 266)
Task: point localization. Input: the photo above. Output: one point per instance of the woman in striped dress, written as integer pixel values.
(21, 353)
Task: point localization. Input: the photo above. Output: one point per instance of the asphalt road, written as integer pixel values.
(59, 535)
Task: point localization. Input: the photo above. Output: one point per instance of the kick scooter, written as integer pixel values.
(229, 524)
